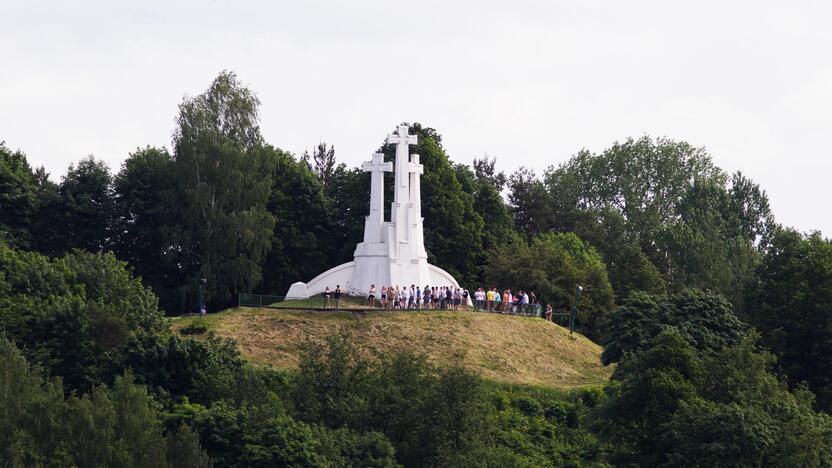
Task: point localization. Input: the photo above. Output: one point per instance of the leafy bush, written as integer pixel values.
(118, 426)
(197, 327)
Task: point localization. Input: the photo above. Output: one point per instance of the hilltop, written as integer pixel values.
(507, 349)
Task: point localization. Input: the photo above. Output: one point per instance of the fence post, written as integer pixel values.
(259, 300)
(578, 290)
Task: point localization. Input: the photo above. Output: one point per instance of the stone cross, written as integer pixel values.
(377, 167)
(416, 170)
(402, 140)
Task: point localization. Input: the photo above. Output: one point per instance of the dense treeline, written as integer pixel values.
(719, 319)
(692, 387)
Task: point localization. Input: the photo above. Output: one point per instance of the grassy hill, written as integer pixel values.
(507, 349)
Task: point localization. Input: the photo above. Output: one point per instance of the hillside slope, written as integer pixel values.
(515, 350)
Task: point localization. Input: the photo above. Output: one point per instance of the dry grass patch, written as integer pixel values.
(508, 349)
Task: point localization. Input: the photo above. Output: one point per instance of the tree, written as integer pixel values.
(671, 405)
(83, 216)
(323, 163)
(487, 185)
(705, 320)
(643, 179)
(303, 243)
(145, 215)
(17, 197)
(552, 266)
(628, 267)
(75, 315)
(708, 247)
(791, 305)
(223, 182)
(40, 425)
(137, 422)
(530, 203)
(184, 451)
(331, 383)
(349, 196)
(667, 203)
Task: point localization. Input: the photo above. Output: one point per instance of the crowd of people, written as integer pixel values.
(447, 298)
(415, 297)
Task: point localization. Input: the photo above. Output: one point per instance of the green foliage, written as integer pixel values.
(197, 327)
(323, 164)
(486, 185)
(301, 246)
(791, 304)
(529, 202)
(18, 199)
(704, 320)
(85, 318)
(661, 206)
(552, 266)
(642, 179)
(671, 405)
(349, 193)
(184, 451)
(331, 383)
(203, 370)
(145, 210)
(74, 315)
(107, 427)
(440, 416)
(713, 244)
(223, 182)
(84, 211)
(628, 267)
(262, 434)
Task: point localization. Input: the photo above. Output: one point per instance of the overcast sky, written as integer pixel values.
(531, 83)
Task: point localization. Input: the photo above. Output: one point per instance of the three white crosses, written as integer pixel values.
(406, 195)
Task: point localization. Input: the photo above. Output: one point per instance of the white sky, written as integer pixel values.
(528, 82)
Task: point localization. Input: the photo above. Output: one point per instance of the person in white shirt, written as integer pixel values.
(371, 298)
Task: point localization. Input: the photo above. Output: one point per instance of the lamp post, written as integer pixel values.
(201, 296)
(578, 290)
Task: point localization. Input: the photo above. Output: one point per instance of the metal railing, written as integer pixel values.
(259, 300)
(318, 302)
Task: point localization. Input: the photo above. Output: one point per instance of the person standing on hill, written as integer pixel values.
(497, 300)
(371, 298)
(418, 298)
(337, 296)
(326, 295)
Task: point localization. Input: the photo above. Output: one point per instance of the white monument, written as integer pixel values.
(393, 253)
